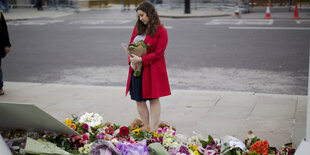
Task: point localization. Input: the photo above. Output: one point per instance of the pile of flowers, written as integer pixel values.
(100, 137)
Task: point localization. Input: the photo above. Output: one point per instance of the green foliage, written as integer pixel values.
(61, 141)
(137, 74)
(233, 151)
(132, 46)
(204, 143)
(254, 153)
(141, 136)
(115, 127)
(92, 137)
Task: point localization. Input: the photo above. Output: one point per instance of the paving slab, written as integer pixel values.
(277, 118)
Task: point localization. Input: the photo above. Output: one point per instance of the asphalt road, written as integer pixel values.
(266, 56)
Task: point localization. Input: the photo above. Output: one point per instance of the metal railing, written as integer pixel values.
(214, 4)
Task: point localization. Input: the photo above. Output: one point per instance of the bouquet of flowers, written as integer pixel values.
(98, 138)
(138, 49)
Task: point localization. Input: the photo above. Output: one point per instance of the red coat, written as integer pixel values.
(155, 82)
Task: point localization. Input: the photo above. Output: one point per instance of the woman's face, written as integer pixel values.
(143, 17)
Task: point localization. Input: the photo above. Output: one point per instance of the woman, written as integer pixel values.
(4, 46)
(153, 83)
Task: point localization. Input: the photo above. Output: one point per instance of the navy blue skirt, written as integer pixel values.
(135, 87)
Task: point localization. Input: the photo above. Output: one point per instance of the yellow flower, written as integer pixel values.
(193, 147)
(68, 121)
(137, 131)
(155, 134)
(196, 152)
(73, 126)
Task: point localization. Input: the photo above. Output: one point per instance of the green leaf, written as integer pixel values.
(204, 143)
(226, 150)
(210, 139)
(254, 153)
(115, 127)
(137, 74)
(255, 139)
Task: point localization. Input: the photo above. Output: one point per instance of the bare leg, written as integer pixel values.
(155, 113)
(143, 112)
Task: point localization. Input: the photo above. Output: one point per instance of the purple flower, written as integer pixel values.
(100, 136)
(213, 146)
(103, 147)
(184, 149)
(136, 148)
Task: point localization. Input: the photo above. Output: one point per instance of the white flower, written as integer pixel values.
(167, 141)
(175, 145)
(85, 148)
(92, 119)
(226, 139)
(233, 142)
(193, 140)
(182, 139)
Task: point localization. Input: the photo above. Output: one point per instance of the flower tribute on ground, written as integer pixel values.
(100, 137)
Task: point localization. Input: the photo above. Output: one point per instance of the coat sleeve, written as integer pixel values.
(5, 33)
(159, 50)
(131, 40)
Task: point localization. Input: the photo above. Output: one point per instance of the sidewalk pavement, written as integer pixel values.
(280, 119)
(164, 12)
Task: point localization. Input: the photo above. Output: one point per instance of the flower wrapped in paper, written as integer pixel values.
(139, 49)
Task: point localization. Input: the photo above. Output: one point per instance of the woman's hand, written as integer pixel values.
(7, 49)
(133, 66)
(135, 59)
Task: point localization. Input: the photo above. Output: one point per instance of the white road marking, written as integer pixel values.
(302, 21)
(96, 22)
(269, 28)
(34, 22)
(240, 22)
(113, 27)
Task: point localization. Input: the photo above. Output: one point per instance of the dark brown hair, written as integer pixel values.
(153, 23)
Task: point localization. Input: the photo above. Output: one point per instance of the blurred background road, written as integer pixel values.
(219, 53)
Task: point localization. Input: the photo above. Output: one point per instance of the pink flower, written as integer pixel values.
(85, 126)
(201, 150)
(166, 129)
(159, 130)
(85, 138)
(173, 133)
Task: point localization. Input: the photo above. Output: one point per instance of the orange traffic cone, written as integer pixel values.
(267, 12)
(296, 12)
